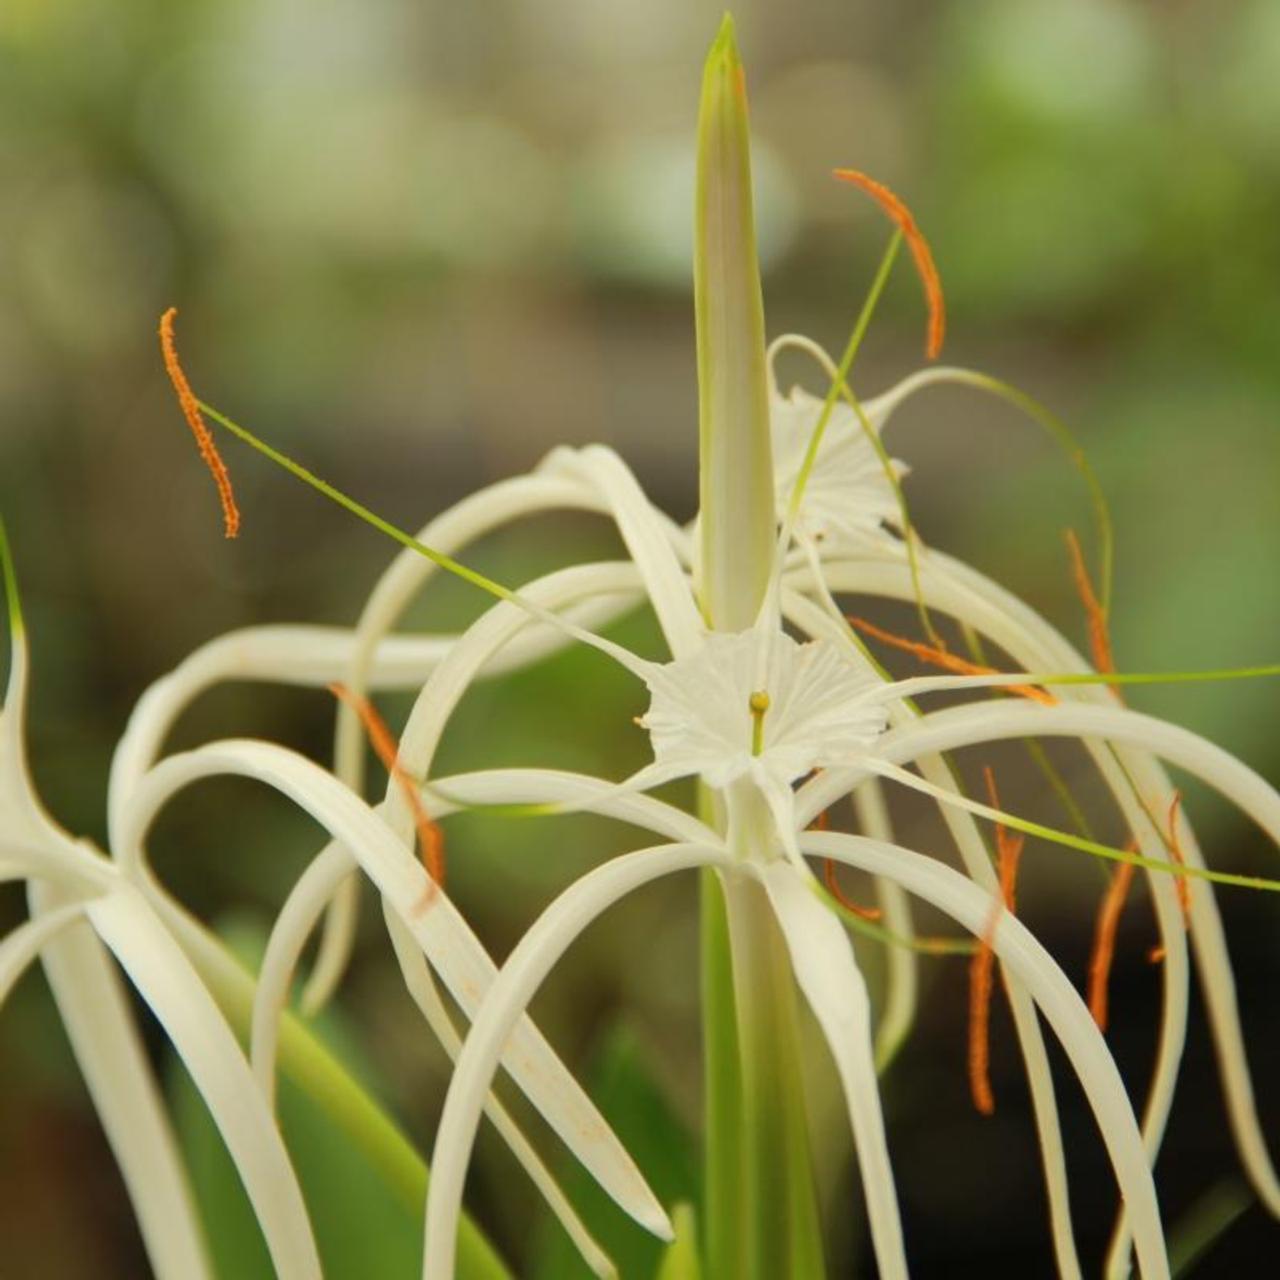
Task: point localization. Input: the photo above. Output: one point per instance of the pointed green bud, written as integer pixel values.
(736, 479)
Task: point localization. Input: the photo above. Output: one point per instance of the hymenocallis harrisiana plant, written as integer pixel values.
(772, 700)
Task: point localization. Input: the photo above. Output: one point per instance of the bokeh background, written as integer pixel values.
(418, 244)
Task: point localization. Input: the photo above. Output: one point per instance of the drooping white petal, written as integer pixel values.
(163, 975)
(992, 612)
(480, 513)
(646, 534)
(1021, 630)
(576, 791)
(1058, 1000)
(902, 978)
(95, 1013)
(829, 976)
(298, 917)
(528, 965)
(22, 945)
(434, 923)
(27, 832)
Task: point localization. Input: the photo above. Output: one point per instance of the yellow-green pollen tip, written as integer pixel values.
(759, 705)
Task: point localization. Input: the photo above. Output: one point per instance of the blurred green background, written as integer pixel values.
(417, 244)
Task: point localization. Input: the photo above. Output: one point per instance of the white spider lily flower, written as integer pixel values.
(757, 706)
(659, 567)
(84, 910)
(750, 712)
(848, 495)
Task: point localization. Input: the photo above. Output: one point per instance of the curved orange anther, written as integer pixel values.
(982, 966)
(947, 661)
(1099, 631)
(920, 252)
(195, 420)
(834, 889)
(1104, 939)
(430, 837)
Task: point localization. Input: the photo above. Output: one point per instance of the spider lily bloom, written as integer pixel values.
(749, 710)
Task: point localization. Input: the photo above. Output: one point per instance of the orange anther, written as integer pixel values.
(833, 887)
(920, 252)
(430, 838)
(982, 966)
(204, 437)
(1104, 939)
(1099, 632)
(947, 661)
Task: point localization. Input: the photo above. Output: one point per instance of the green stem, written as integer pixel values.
(762, 1219)
(781, 1230)
(723, 1185)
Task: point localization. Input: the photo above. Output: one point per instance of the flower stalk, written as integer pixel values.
(761, 1209)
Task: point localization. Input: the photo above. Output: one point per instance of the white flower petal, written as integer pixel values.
(293, 926)
(163, 975)
(829, 976)
(476, 515)
(1002, 618)
(100, 1024)
(22, 945)
(434, 923)
(646, 532)
(902, 977)
(1240, 784)
(1058, 1000)
(576, 791)
(523, 973)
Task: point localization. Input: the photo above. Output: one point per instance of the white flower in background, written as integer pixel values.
(848, 495)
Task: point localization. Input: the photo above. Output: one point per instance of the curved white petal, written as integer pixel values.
(901, 971)
(646, 533)
(988, 609)
(827, 973)
(575, 791)
(163, 975)
(95, 1013)
(476, 515)
(22, 945)
(299, 916)
(1240, 784)
(828, 620)
(434, 923)
(526, 968)
(1058, 1000)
